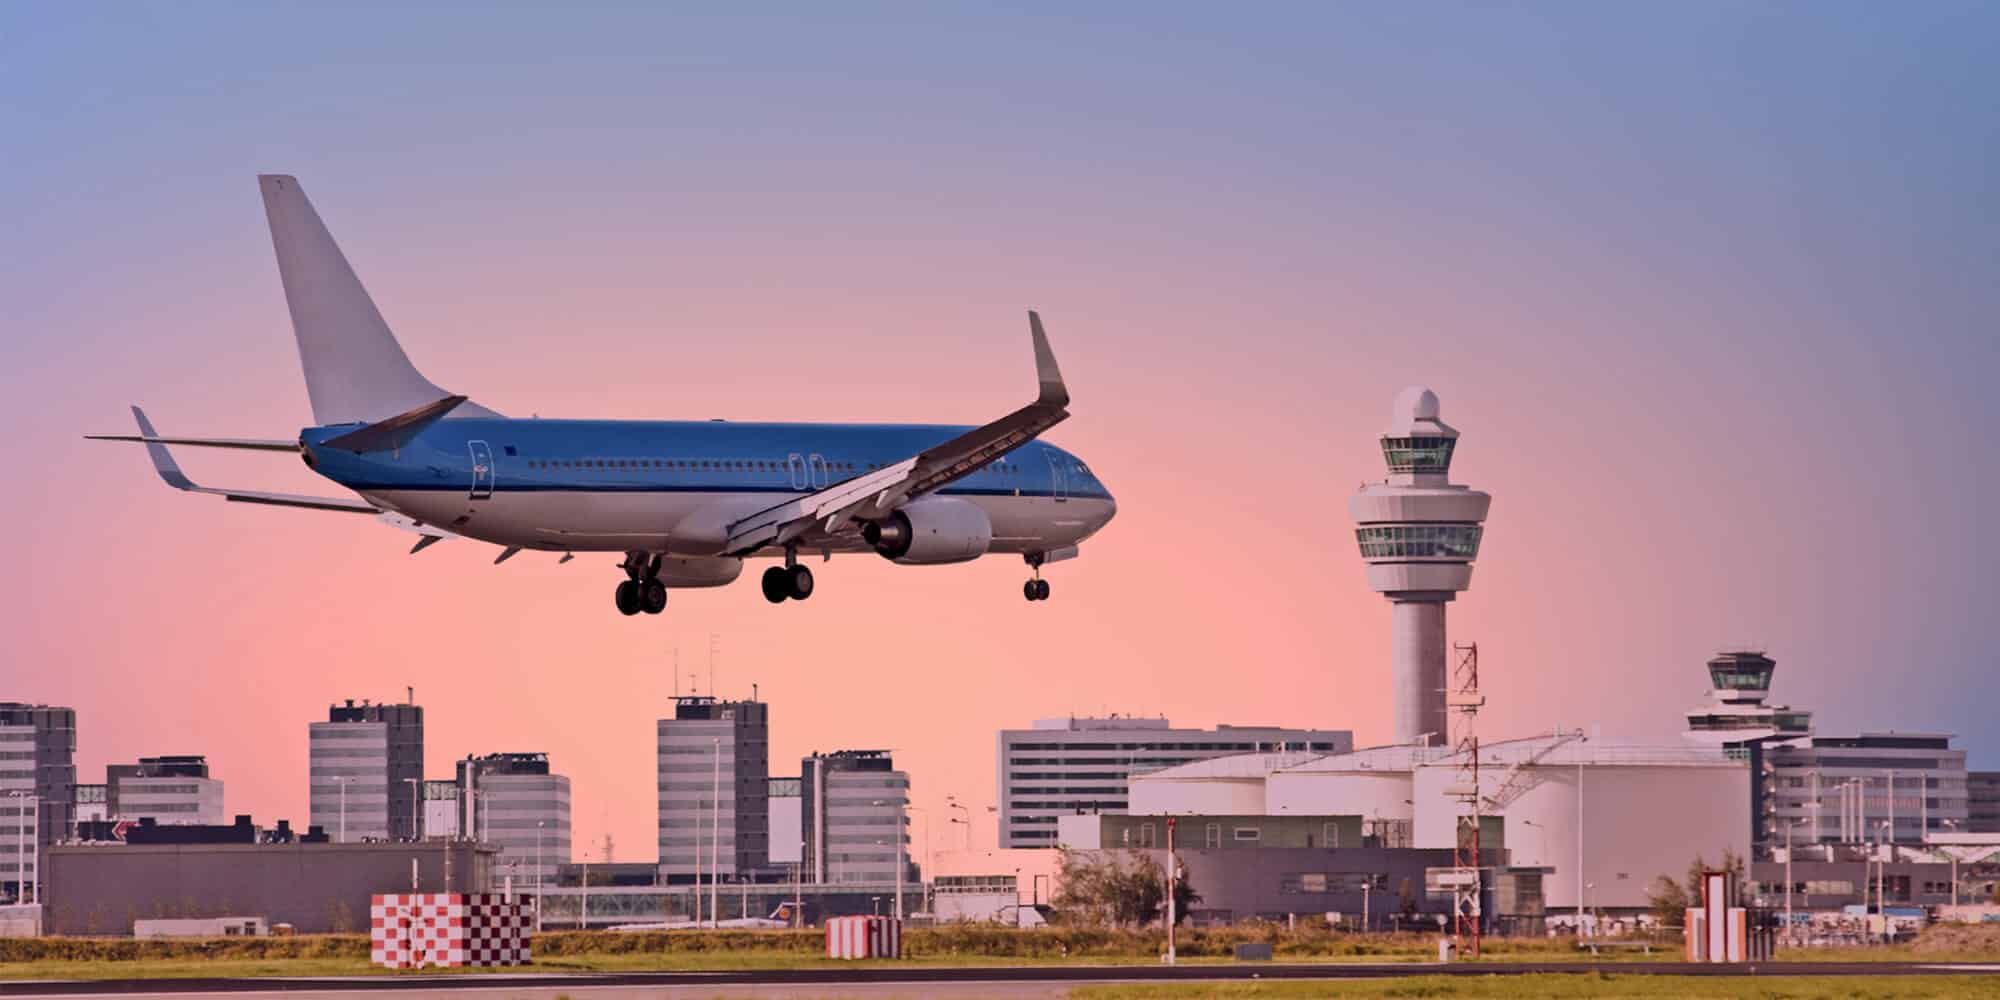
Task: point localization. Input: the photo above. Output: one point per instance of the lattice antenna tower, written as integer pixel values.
(1464, 700)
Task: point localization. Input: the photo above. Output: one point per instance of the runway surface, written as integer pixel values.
(882, 981)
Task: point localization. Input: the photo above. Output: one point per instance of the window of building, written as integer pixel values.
(1247, 833)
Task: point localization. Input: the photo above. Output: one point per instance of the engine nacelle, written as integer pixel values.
(931, 531)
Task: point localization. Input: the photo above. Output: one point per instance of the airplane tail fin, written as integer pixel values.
(355, 370)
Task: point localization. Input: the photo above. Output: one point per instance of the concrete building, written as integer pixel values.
(37, 787)
(1065, 766)
(856, 811)
(441, 809)
(714, 772)
(785, 807)
(361, 762)
(1603, 818)
(1982, 801)
(1419, 535)
(1852, 790)
(1011, 886)
(317, 888)
(515, 803)
(176, 790)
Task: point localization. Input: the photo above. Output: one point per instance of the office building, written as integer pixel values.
(175, 790)
(855, 806)
(513, 801)
(1081, 765)
(714, 771)
(37, 787)
(1418, 534)
(1982, 801)
(363, 763)
(441, 809)
(1856, 790)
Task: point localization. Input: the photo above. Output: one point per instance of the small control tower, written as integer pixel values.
(1418, 535)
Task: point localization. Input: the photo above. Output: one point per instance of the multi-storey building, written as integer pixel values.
(362, 761)
(37, 787)
(1832, 790)
(93, 805)
(1062, 767)
(512, 801)
(175, 790)
(855, 810)
(1982, 801)
(714, 771)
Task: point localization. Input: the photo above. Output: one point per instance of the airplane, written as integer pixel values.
(686, 502)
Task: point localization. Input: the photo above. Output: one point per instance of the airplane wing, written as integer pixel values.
(876, 493)
(170, 471)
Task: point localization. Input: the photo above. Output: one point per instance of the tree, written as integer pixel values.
(1116, 889)
(1670, 900)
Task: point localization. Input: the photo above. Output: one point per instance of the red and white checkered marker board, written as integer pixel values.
(451, 930)
(864, 937)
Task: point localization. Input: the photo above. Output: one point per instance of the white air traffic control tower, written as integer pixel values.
(1418, 534)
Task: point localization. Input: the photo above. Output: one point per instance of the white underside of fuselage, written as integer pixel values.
(598, 521)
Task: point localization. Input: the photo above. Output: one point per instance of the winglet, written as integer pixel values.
(1054, 393)
(163, 460)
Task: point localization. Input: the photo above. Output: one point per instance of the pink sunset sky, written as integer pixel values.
(1707, 290)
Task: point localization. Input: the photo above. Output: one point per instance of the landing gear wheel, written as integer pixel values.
(799, 580)
(653, 597)
(777, 585)
(1028, 590)
(1041, 590)
(628, 598)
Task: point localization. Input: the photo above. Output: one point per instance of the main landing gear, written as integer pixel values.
(642, 589)
(1036, 589)
(792, 581)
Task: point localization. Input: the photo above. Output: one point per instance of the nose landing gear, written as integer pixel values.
(642, 589)
(1036, 589)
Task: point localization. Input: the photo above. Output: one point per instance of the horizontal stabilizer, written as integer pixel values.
(395, 432)
(170, 471)
(248, 444)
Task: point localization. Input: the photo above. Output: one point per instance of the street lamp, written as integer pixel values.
(416, 807)
(541, 874)
(899, 854)
(951, 801)
(1954, 864)
(926, 879)
(1789, 827)
(341, 780)
(714, 839)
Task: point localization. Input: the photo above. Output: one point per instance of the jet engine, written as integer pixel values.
(931, 531)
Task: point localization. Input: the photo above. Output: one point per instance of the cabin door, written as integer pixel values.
(482, 470)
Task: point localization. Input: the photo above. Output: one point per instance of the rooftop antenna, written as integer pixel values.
(677, 673)
(714, 646)
(411, 693)
(753, 690)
